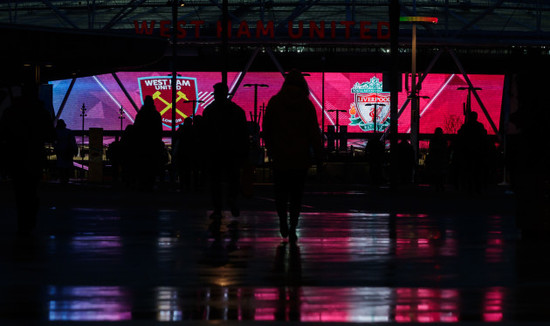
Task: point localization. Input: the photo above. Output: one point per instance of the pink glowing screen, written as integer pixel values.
(357, 94)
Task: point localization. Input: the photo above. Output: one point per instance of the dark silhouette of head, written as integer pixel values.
(61, 124)
(188, 122)
(149, 101)
(295, 78)
(197, 119)
(472, 117)
(220, 92)
(438, 131)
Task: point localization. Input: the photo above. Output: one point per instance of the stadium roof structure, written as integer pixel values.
(92, 36)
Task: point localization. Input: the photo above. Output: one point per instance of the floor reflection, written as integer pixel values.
(88, 303)
(247, 273)
(285, 303)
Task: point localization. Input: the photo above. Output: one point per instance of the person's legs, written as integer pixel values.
(216, 190)
(233, 174)
(280, 185)
(27, 202)
(297, 180)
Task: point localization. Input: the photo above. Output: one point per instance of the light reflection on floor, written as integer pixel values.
(89, 303)
(307, 304)
(160, 264)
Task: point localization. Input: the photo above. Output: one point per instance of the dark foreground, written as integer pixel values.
(111, 256)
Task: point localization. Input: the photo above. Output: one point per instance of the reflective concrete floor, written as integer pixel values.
(363, 255)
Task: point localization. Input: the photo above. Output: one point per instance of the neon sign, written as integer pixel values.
(370, 109)
(295, 30)
(160, 89)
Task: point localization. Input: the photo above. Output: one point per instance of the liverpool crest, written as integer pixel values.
(370, 109)
(160, 89)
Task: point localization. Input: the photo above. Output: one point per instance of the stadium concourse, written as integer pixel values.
(409, 255)
(104, 254)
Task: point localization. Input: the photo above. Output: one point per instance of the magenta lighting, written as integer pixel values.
(418, 19)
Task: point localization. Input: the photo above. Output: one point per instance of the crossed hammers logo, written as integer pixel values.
(168, 106)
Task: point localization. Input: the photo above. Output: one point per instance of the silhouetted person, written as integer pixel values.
(115, 155)
(227, 138)
(255, 158)
(25, 127)
(199, 152)
(406, 157)
(437, 162)
(292, 139)
(471, 153)
(375, 157)
(147, 135)
(183, 154)
(65, 149)
(128, 150)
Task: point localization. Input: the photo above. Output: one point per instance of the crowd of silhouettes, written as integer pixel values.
(466, 160)
(221, 144)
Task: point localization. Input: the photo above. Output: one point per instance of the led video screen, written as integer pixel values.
(350, 99)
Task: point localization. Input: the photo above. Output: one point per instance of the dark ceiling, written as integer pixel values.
(76, 38)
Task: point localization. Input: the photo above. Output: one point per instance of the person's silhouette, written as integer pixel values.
(65, 149)
(375, 157)
(227, 136)
(115, 156)
(198, 152)
(406, 157)
(437, 162)
(471, 153)
(183, 154)
(25, 127)
(293, 141)
(147, 134)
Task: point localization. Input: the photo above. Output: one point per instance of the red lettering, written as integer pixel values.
(267, 29)
(219, 29)
(165, 28)
(243, 29)
(379, 31)
(364, 30)
(291, 30)
(373, 98)
(181, 30)
(313, 29)
(264, 31)
(347, 25)
(197, 24)
(144, 28)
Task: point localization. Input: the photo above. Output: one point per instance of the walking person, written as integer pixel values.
(437, 162)
(226, 134)
(25, 153)
(293, 141)
(148, 146)
(65, 149)
(183, 154)
(471, 153)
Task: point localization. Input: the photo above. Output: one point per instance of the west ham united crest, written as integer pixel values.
(160, 88)
(368, 97)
